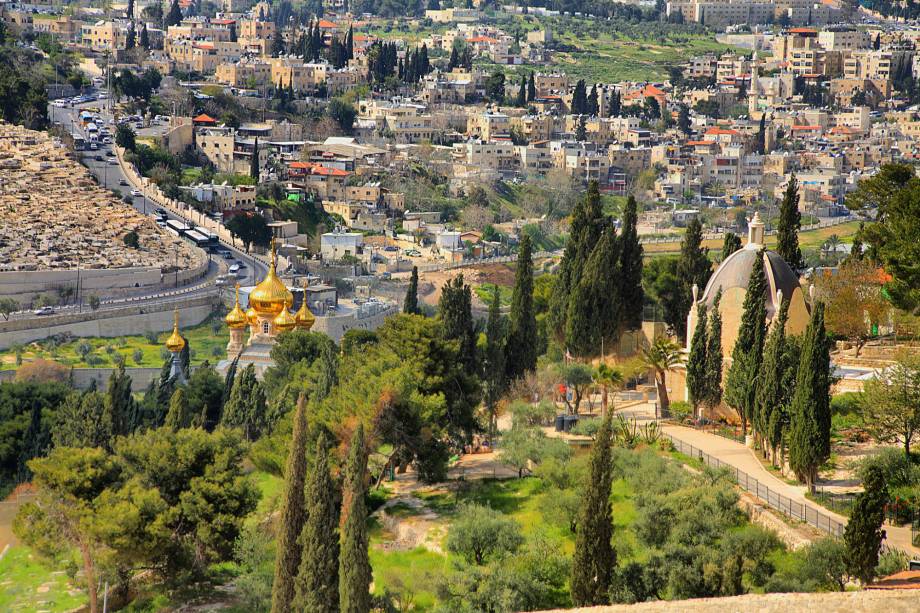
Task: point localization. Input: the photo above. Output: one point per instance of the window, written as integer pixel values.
(264, 327)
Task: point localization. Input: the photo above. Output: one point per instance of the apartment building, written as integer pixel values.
(104, 35)
(202, 56)
(885, 64)
(245, 73)
(488, 125)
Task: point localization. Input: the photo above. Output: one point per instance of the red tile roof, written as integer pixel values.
(722, 132)
(204, 119)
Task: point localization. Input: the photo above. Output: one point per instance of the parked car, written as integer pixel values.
(45, 310)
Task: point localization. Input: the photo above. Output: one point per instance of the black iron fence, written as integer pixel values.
(784, 504)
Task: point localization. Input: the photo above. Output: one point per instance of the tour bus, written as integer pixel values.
(200, 240)
(177, 227)
(212, 238)
(79, 143)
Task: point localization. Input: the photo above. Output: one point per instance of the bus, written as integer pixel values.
(177, 227)
(212, 238)
(79, 143)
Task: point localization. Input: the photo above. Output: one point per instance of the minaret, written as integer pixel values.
(175, 344)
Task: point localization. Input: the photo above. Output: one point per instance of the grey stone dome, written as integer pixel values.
(736, 270)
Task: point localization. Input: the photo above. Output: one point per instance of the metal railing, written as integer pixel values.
(783, 504)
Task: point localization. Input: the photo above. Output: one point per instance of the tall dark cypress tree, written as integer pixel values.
(714, 359)
(863, 535)
(760, 142)
(591, 105)
(697, 381)
(595, 560)
(456, 310)
(770, 392)
(145, 38)
(174, 16)
(632, 296)
(493, 368)
(120, 402)
(228, 381)
(317, 588)
(354, 565)
(522, 93)
(129, 11)
(593, 320)
(747, 354)
(531, 88)
(254, 161)
(584, 233)
(787, 229)
(730, 244)
(693, 267)
(293, 514)
(521, 349)
(410, 304)
(809, 413)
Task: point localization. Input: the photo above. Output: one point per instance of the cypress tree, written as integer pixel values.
(730, 244)
(531, 88)
(121, 402)
(317, 589)
(631, 294)
(787, 229)
(455, 308)
(591, 105)
(293, 514)
(522, 93)
(581, 130)
(129, 11)
(494, 360)
(809, 413)
(145, 38)
(254, 162)
(594, 308)
(770, 392)
(521, 349)
(697, 380)
(410, 304)
(760, 144)
(185, 359)
(693, 268)
(354, 565)
(747, 354)
(595, 560)
(714, 355)
(178, 416)
(130, 37)
(174, 16)
(228, 382)
(863, 535)
(584, 233)
(246, 406)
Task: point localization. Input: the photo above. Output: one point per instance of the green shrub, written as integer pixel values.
(680, 410)
(847, 403)
(890, 562)
(899, 470)
(587, 427)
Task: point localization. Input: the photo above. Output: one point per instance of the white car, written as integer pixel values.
(45, 310)
(136, 193)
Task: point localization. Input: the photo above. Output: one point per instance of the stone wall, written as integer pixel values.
(83, 377)
(336, 326)
(136, 319)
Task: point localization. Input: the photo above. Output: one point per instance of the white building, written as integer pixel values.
(336, 245)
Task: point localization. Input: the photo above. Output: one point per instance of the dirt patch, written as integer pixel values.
(411, 523)
(794, 536)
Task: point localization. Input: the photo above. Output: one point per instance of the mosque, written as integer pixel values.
(732, 278)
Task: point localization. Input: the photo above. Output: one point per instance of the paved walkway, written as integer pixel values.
(743, 458)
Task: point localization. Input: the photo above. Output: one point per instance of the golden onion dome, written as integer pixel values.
(236, 318)
(270, 297)
(175, 343)
(304, 317)
(284, 321)
(251, 315)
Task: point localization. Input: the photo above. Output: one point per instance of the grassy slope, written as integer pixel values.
(202, 340)
(21, 577)
(812, 239)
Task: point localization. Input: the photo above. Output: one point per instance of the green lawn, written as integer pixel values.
(27, 585)
(207, 341)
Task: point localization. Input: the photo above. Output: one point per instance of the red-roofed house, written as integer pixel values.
(204, 120)
(639, 95)
(328, 183)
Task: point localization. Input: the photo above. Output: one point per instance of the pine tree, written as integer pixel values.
(770, 392)
(697, 381)
(254, 161)
(809, 413)
(410, 304)
(493, 367)
(693, 268)
(522, 93)
(730, 244)
(354, 565)
(787, 229)
(174, 16)
(531, 88)
(631, 294)
(747, 354)
(864, 534)
(714, 355)
(584, 232)
(521, 349)
(595, 560)
(120, 402)
(455, 308)
(293, 514)
(179, 416)
(317, 588)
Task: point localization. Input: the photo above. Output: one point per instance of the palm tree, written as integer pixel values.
(662, 355)
(607, 377)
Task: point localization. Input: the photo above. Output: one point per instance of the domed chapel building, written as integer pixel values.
(732, 278)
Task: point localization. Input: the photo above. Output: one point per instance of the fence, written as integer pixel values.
(676, 238)
(785, 505)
